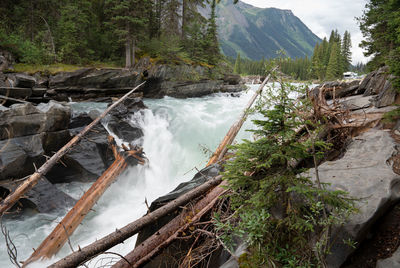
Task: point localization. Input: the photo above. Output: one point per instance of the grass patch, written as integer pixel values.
(58, 67)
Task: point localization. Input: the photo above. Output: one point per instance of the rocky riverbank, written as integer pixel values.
(367, 167)
(180, 81)
(29, 134)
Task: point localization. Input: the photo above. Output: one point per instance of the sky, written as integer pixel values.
(321, 16)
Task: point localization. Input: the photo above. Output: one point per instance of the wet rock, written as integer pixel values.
(19, 156)
(15, 92)
(24, 80)
(44, 197)
(25, 119)
(119, 120)
(201, 177)
(365, 173)
(38, 92)
(12, 158)
(125, 131)
(66, 79)
(232, 79)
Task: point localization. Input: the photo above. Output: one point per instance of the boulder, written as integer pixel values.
(44, 197)
(232, 79)
(16, 92)
(355, 102)
(377, 82)
(365, 82)
(387, 96)
(24, 80)
(12, 160)
(25, 119)
(66, 79)
(20, 155)
(365, 173)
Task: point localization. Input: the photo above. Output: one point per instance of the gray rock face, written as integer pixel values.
(387, 96)
(25, 119)
(392, 262)
(24, 80)
(44, 197)
(365, 173)
(201, 177)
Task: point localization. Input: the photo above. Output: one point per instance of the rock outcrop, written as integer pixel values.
(181, 81)
(366, 174)
(29, 134)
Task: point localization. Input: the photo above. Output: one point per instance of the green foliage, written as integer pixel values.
(380, 25)
(87, 31)
(278, 210)
(331, 59)
(238, 68)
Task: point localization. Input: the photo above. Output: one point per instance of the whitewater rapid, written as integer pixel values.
(179, 137)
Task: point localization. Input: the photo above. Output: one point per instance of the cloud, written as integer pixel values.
(321, 16)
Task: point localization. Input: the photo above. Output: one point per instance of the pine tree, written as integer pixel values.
(333, 68)
(130, 20)
(346, 51)
(237, 69)
(211, 39)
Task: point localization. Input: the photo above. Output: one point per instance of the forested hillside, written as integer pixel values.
(260, 32)
(119, 31)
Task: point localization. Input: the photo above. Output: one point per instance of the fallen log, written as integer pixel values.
(169, 232)
(57, 238)
(12, 198)
(120, 235)
(105, 243)
(146, 250)
(235, 128)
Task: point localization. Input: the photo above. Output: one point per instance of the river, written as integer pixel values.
(179, 137)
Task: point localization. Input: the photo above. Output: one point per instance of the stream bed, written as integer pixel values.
(179, 137)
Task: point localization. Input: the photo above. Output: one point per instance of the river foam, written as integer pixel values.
(177, 132)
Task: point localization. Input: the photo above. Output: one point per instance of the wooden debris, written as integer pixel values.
(12, 198)
(54, 242)
(170, 231)
(120, 235)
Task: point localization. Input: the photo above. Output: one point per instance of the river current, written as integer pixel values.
(179, 137)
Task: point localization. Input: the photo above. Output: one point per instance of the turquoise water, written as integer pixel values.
(179, 137)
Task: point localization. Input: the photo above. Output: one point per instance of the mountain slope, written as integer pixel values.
(261, 32)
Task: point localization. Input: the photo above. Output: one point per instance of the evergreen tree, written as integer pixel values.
(346, 51)
(333, 69)
(237, 69)
(211, 39)
(130, 18)
(380, 25)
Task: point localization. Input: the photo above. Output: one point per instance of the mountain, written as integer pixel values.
(261, 32)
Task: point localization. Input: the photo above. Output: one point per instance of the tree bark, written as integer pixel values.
(54, 242)
(235, 128)
(12, 198)
(119, 236)
(169, 232)
(128, 54)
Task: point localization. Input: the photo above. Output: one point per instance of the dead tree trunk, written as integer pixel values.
(12, 198)
(233, 131)
(54, 242)
(167, 233)
(119, 236)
